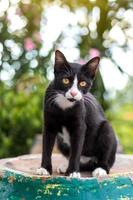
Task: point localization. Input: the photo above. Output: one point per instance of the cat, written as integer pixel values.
(73, 116)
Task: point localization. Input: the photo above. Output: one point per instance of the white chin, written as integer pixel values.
(63, 102)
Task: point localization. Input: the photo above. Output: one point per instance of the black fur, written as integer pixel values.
(90, 133)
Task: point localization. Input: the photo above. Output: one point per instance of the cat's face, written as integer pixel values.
(73, 80)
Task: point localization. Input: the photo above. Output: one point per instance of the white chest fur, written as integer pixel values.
(62, 102)
(65, 135)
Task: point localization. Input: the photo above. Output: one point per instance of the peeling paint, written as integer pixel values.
(15, 186)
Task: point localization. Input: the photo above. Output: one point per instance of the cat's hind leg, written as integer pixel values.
(87, 163)
(105, 150)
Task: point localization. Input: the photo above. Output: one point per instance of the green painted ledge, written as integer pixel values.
(18, 186)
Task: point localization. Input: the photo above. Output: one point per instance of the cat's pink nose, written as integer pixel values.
(73, 93)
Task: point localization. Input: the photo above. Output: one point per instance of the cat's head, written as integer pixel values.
(73, 80)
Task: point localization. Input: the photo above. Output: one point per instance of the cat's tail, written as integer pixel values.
(63, 147)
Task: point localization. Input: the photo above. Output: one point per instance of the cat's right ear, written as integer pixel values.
(59, 58)
(91, 67)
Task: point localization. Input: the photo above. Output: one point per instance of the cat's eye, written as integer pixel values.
(65, 81)
(82, 84)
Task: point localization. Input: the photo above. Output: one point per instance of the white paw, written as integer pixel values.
(42, 171)
(99, 172)
(75, 175)
(62, 168)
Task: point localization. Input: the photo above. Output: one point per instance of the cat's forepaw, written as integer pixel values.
(99, 172)
(62, 169)
(42, 171)
(75, 175)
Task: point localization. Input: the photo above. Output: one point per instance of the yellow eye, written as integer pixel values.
(82, 84)
(65, 81)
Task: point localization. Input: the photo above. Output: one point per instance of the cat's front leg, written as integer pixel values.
(77, 136)
(48, 143)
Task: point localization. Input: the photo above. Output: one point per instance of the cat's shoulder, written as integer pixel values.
(91, 101)
(90, 96)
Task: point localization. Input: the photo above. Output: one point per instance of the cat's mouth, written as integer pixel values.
(72, 99)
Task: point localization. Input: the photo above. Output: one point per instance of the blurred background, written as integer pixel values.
(31, 30)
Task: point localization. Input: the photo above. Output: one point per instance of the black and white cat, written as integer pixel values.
(75, 118)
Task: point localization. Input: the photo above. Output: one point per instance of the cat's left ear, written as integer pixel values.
(60, 61)
(59, 58)
(92, 66)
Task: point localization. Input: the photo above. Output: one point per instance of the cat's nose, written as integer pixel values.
(73, 93)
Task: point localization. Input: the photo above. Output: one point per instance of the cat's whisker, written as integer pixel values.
(89, 100)
(50, 100)
(51, 93)
(51, 103)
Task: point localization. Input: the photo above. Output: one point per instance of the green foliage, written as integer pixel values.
(99, 91)
(20, 115)
(94, 31)
(121, 116)
(122, 122)
(26, 39)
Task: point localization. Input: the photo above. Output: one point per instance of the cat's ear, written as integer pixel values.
(59, 58)
(92, 66)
